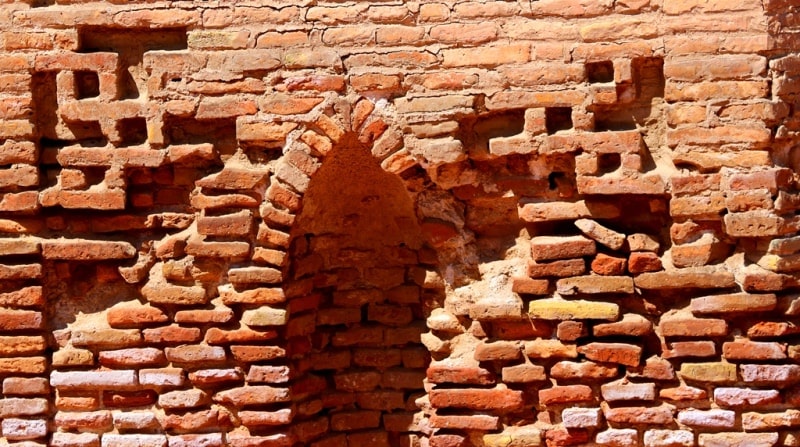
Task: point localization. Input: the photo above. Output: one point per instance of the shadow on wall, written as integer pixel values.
(784, 29)
(358, 305)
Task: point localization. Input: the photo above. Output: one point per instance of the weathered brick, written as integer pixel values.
(477, 399)
(510, 54)
(118, 379)
(726, 439)
(578, 285)
(566, 394)
(752, 350)
(583, 371)
(661, 415)
(743, 302)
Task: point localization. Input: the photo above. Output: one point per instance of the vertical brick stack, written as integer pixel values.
(439, 223)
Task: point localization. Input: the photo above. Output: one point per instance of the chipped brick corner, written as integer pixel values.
(399, 224)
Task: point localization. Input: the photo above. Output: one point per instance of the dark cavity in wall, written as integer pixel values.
(131, 44)
(557, 119)
(476, 131)
(636, 98)
(600, 72)
(358, 242)
(186, 130)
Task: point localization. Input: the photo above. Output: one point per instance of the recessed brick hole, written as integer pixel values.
(96, 38)
(87, 84)
(221, 132)
(88, 130)
(501, 125)
(132, 131)
(608, 162)
(554, 179)
(43, 87)
(600, 72)
(558, 118)
(94, 176)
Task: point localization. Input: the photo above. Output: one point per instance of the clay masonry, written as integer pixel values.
(399, 223)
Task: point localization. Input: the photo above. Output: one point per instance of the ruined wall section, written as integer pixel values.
(580, 229)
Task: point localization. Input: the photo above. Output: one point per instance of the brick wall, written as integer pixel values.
(403, 224)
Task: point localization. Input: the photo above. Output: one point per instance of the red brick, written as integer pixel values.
(566, 394)
(203, 316)
(408, 379)
(608, 265)
(256, 353)
(770, 329)
(23, 365)
(559, 268)
(731, 303)
(133, 357)
(133, 317)
(96, 421)
(217, 336)
(447, 440)
(662, 415)
(20, 386)
(15, 320)
(566, 437)
(171, 335)
(583, 371)
(571, 331)
(630, 325)
(460, 375)
(499, 350)
(544, 248)
(253, 395)
(195, 354)
(682, 393)
(477, 399)
(354, 420)
(524, 373)
(685, 278)
(752, 350)
(698, 349)
(465, 34)
(487, 56)
(472, 422)
(196, 421)
(625, 354)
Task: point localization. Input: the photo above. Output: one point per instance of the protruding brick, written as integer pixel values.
(545, 248)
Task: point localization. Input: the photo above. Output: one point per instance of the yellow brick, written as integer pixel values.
(557, 309)
(709, 372)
